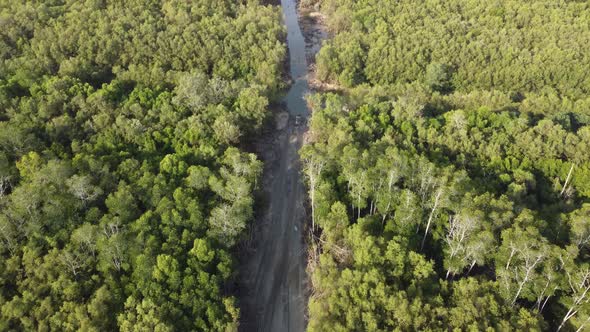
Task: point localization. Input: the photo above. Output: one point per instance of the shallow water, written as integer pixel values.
(298, 61)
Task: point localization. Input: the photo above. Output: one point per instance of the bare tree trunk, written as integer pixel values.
(312, 213)
(389, 187)
(544, 303)
(525, 279)
(471, 266)
(4, 185)
(581, 326)
(540, 297)
(5, 234)
(569, 174)
(583, 285)
(520, 286)
(314, 171)
(570, 313)
(510, 258)
(312, 199)
(430, 217)
(359, 205)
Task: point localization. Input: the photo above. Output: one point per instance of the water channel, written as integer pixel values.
(275, 276)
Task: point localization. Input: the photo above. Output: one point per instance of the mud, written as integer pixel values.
(273, 284)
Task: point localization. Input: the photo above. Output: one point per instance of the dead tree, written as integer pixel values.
(580, 285)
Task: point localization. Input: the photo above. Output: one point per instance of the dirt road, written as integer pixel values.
(275, 277)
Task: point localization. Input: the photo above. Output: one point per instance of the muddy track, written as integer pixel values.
(273, 283)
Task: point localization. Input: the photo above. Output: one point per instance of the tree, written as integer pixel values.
(468, 298)
(408, 214)
(438, 77)
(393, 167)
(198, 177)
(113, 251)
(226, 131)
(519, 257)
(251, 107)
(226, 223)
(578, 279)
(142, 315)
(313, 165)
(82, 188)
(86, 236)
(191, 90)
(71, 261)
(8, 234)
(459, 231)
(580, 226)
(477, 152)
(115, 147)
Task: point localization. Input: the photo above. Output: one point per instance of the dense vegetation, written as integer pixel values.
(450, 179)
(526, 46)
(123, 182)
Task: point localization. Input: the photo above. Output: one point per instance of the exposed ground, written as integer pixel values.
(313, 26)
(275, 272)
(273, 284)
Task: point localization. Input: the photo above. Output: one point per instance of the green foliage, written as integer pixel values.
(438, 77)
(465, 188)
(118, 122)
(453, 189)
(513, 46)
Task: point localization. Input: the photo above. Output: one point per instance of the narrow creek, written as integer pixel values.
(299, 68)
(275, 279)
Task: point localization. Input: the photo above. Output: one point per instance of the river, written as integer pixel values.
(275, 276)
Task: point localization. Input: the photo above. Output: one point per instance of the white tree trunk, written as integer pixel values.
(436, 199)
(569, 174)
(583, 324)
(471, 266)
(525, 279)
